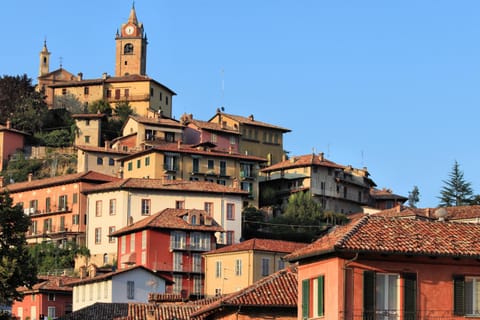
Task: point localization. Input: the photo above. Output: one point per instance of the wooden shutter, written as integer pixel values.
(368, 295)
(459, 295)
(410, 296)
(305, 298)
(320, 296)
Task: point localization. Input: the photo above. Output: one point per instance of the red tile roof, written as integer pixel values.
(250, 121)
(165, 185)
(171, 219)
(89, 176)
(277, 290)
(162, 121)
(137, 311)
(385, 194)
(102, 150)
(307, 160)
(212, 126)
(261, 245)
(379, 234)
(89, 116)
(50, 283)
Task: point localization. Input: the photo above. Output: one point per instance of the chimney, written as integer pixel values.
(9, 124)
(320, 156)
(30, 175)
(83, 272)
(92, 271)
(59, 282)
(235, 183)
(230, 149)
(104, 76)
(107, 144)
(250, 117)
(179, 144)
(80, 76)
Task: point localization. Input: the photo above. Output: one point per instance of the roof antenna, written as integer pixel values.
(223, 91)
(61, 60)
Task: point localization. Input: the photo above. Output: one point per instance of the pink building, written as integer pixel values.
(11, 140)
(379, 267)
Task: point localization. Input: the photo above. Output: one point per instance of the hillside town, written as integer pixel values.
(186, 218)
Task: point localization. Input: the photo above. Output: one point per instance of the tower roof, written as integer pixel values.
(133, 15)
(45, 49)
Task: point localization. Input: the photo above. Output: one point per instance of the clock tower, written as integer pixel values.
(131, 48)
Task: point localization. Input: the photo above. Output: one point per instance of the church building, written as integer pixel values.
(130, 83)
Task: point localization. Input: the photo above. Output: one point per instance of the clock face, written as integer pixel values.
(129, 30)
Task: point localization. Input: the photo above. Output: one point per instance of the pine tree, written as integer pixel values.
(456, 190)
(413, 197)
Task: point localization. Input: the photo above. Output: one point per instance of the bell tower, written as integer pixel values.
(131, 47)
(44, 60)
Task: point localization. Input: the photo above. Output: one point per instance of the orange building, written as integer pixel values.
(57, 206)
(379, 267)
(11, 140)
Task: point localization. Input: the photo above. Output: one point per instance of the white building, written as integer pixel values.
(119, 204)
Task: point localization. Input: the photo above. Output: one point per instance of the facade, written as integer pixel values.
(130, 285)
(57, 206)
(170, 242)
(232, 268)
(177, 161)
(129, 84)
(51, 297)
(118, 204)
(103, 160)
(383, 199)
(89, 129)
(257, 138)
(338, 188)
(381, 267)
(11, 140)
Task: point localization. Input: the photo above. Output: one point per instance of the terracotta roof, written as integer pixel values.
(211, 126)
(190, 149)
(165, 185)
(89, 115)
(6, 128)
(261, 245)
(50, 283)
(59, 180)
(402, 211)
(162, 121)
(170, 219)
(102, 150)
(168, 311)
(461, 212)
(385, 194)
(99, 311)
(303, 161)
(379, 234)
(109, 275)
(277, 290)
(250, 121)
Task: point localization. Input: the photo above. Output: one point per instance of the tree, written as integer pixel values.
(70, 103)
(16, 266)
(50, 257)
(100, 106)
(123, 110)
(21, 103)
(456, 190)
(413, 197)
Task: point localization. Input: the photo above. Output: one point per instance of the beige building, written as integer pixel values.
(129, 84)
(88, 129)
(118, 204)
(100, 159)
(257, 138)
(235, 267)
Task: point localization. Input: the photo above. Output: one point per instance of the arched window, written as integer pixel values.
(105, 259)
(128, 48)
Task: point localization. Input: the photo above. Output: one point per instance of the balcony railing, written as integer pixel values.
(138, 97)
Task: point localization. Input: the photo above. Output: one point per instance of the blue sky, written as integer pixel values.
(390, 85)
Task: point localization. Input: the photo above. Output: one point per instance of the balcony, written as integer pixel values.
(121, 98)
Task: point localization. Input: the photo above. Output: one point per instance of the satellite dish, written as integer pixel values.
(441, 213)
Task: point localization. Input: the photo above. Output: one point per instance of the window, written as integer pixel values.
(166, 100)
(76, 219)
(123, 244)
(381, 294)
(130, 166)
(466, 295)
(64, 91)
(47, 225)
(151, 92)
(86, 90)
(62, 203)
(209, 208)
(98, 208)
(87, 139)
(126, 93)
(281, 264)
(160, 95)
(195, 165)
(169, 136)
(177, 261)
(111, 230)
(218, 292)
(218, 269)
(313, 297)
(197, 285)
(75, 198)
(130, 290)
(230, 211)
(238, 267)
(196, 262)
(128, 48)
(223, 168)
(177, 286)
(213, 138)
(177, 240)
(62, 223)
(51, 313)
(112, 207)
(265, 267)
(246, 170)
(179, 204)
(51, 297)
(170, 163)
(132, 242)
(111, 161)
(144, 239)
(48, 205)
(117, 94)
(98, 235)
(147, 161)
(233, 140)
(210, 164)
(105, 261)
(139, 163)
(109, 93)
(145, 207)
(230, 237)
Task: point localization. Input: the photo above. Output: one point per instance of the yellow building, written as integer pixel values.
(235, 267)
(129, 84)
(177, 161)
(257, 138)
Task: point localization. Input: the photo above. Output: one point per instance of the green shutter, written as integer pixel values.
(305, 298)
(368, 295)
(320, 296)
(459, 295)
(410, 296)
